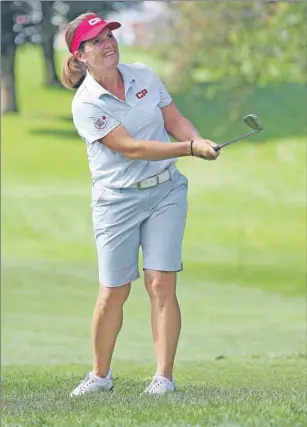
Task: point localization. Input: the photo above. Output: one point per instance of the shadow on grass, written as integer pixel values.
(58, 133)
(65, 119)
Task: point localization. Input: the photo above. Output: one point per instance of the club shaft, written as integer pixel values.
(235, 139)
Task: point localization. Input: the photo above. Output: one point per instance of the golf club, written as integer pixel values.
(252, 121)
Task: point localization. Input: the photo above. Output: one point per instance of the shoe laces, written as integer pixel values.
(155, 384)
(86, 381)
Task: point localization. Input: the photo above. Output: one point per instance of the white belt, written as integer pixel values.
(153, 180)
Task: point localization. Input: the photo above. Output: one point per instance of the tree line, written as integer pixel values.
(252, 42)
(35, 21)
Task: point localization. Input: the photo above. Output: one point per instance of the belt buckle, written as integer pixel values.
(139, 184)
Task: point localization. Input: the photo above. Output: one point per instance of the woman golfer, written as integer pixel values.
(139, 198)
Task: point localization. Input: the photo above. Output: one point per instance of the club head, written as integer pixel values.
(252, 121)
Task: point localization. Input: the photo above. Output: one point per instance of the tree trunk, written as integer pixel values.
(48, 31)
(8, 92)
(51, 77)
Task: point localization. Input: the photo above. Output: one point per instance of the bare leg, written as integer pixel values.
(165, 318)
(107, 322)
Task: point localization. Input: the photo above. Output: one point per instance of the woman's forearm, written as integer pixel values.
(156, 150)
(182, 130)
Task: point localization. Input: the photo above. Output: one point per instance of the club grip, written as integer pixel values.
(217, 148)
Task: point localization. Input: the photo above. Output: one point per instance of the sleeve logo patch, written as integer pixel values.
(100, 122)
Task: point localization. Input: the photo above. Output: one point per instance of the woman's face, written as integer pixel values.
(101, 52)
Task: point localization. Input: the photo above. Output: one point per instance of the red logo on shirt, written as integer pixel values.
(141, 93)
(100, 122)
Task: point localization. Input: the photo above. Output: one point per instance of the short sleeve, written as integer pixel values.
(165, 98)
(91, 122)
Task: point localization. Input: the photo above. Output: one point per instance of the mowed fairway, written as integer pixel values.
(241, 359)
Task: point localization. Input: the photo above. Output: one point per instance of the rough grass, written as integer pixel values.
(222, 393)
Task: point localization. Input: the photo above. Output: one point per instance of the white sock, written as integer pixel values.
(102, 378)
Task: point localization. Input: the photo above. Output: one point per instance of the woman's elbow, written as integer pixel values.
(133, 153)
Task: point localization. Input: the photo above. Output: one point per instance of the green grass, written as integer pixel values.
(241, 359)
(223, 393)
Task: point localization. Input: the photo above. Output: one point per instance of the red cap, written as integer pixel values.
(89, 28)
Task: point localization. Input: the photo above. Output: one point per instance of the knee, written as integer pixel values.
(162, 288)
(113, 296)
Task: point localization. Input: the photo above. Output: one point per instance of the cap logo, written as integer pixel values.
(94, 21)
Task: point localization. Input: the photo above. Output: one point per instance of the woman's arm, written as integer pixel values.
(121, 141)
(177, 125)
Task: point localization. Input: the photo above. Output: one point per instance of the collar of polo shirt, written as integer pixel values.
(97, 90)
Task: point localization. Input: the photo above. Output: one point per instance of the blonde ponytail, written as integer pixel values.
(73, 72)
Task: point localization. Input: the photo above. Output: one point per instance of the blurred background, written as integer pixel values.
(243, 287)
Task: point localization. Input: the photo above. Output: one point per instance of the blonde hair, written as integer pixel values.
(73, 70)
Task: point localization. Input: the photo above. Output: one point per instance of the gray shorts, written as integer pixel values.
(126, 219)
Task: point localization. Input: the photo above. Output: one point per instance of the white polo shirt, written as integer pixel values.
(96, 112)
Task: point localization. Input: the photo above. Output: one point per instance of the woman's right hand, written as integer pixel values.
(203, 148)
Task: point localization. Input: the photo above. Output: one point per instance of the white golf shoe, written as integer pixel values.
(93, 384)
(159, 386)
